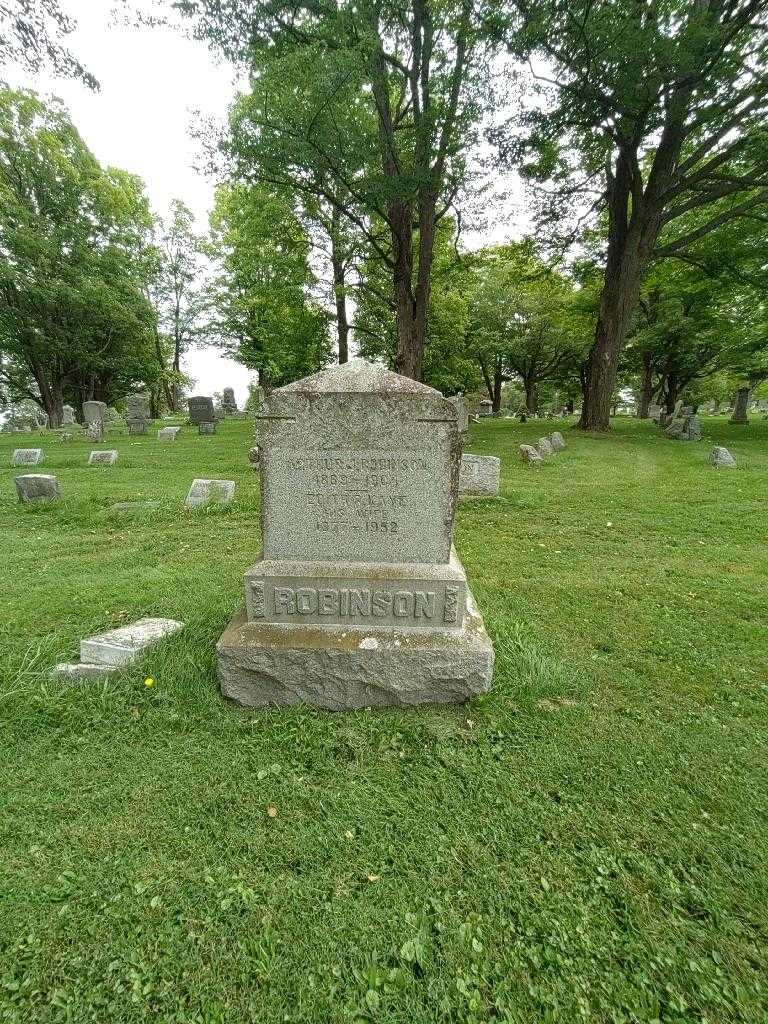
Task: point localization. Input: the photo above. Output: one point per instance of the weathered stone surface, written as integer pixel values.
(529, 454)
(123, 645)
(254, 457)
(201, 409)
(686, 428)
(94, 412)
(207, 427)
(544, 447)
(35, 488)
(486, 407)
(103, 458)
(462, 412)
(346, 667)
(557, 441)
(357, 600)
(137, 413)
(721, 458)
(358, 463)
(479, 474)
(75, 672)
(168, 433)
(654, 411)
(68, 416)
(27, 457)
(218, 492)
(228, 402)
(94, 431)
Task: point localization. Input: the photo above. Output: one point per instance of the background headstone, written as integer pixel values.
(68, 416)
(200, 409)
(104, 458)
(137, 413)
(34, 488)
(94, 431)
(228, 402)
(27, 457)
(721, 458)
(168, 433)
(529, 454)
(557, 441)
(206, 428)
(544, 447)
(219, 492)
(479, 474)
(94, 412)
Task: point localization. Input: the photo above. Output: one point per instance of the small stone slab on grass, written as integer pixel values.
(721, 458)
(27, 457)
(530, 454)
(557, 441)
(479, 474)
(219, 492)
(121, 646)
(103, 458)
(544, 447)
(35, 488)
(167, 433)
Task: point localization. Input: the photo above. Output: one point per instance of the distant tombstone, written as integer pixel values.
(678, 409)
(479, 474)
(203, 492)
(530, 454)
(94, 431)
(103, 458)
(36, 488)
(167, 433)
(557, 441)
(137, 413)
(684, 428)
(653, 412)
(200, 409)
(206, 427)
(228, 402)
(27, 457)
(113, 416)
(486, 407)
(67, 416)
(462, 411)
(94, 412)
(358, 599)
(253, 457)
(544, 447)
(721, 458)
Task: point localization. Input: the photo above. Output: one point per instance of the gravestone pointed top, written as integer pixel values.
(358, 376)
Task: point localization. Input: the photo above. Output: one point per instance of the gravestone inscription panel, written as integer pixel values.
(358, 598)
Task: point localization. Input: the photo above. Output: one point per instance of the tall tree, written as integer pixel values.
(74, 323)
(387, 105)
(263, 311)
(662, 108)
(178, 292)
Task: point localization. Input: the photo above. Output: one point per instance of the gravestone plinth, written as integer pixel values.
(358, 599)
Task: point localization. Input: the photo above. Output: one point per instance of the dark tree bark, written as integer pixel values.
(739, 416)
(531, 396)
(646, 392)
(339, 287)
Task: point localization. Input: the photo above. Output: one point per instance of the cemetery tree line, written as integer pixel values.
(643, 124)
(97, 296)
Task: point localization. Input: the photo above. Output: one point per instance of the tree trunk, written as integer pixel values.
(646, 393)
(339, 288)
(673, 391)
(496, 396)
(51, 395)
(716, 403)
(531, 397)
(739, 416)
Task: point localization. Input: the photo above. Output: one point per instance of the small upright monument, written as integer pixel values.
(94, 418)
(229, 402)
(358, 598)
(202, 413)
(137, 413)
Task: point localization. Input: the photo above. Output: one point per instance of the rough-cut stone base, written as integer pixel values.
(341, 668)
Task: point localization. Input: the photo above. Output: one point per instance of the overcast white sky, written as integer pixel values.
(152, 82)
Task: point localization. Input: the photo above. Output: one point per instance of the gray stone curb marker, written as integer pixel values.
(105, 653)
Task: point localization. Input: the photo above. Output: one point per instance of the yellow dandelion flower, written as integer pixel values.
(149, 681)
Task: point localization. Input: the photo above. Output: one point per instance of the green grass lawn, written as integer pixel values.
(587, 842)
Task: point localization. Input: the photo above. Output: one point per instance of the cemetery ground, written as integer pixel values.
(589, 841)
